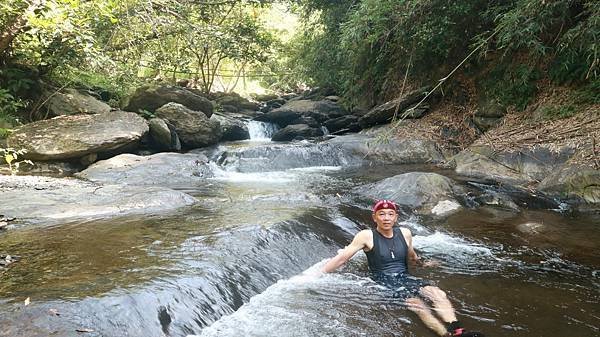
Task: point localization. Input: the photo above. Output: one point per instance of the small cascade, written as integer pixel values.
(261, 131)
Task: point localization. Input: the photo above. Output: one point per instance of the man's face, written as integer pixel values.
(385, 218)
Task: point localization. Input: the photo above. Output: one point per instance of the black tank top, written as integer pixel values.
(389, 255)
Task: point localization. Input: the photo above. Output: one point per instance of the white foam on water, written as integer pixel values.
(273, 177)
(443, 243)
(282, 308)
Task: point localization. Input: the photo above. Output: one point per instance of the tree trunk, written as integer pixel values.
(17, 25)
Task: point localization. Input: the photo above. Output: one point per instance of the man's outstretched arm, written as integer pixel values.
(345, 254)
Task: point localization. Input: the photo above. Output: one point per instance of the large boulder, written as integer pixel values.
(66, 137)
(72, 102)
(517, 167)
(235, 100)
(163, 136)
(296, 132)
(425, 191)
(231, 127)
(390, 151)
(48, 200)
(193, 128)
(384, 113)
(163, 169)
(319, 110)
(152, 97)
(573, 181)
(348, 122)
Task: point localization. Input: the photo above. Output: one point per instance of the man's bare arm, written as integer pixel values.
(345, 254)
(413, 257)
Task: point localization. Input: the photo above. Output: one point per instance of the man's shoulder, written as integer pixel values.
(364, 234)
(405, 231)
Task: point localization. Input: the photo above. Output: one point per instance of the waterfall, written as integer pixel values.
(261, 130)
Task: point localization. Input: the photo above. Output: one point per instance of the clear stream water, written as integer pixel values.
(236, 265)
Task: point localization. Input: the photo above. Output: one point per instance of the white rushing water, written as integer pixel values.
(261, 131)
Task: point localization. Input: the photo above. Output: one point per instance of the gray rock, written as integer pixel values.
(162, 137)
(521, 167)
(319, 110)
(414, 189)
(50, 200)
(162, 169)
(193, 128)
(296, 132)
(232, 128)
(573, 181)
(392, 151)
(486, 123)
(67, 137)
(72, 102)
(384, 113)
(152, 97)
(265, 97)
(88, 159)
(349, 122)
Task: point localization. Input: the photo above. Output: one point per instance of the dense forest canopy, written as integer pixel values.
(364, 50)
(367, 47)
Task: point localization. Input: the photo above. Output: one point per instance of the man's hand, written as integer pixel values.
(431, 263)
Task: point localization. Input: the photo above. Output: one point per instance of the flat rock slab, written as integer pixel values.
(66, 137)
(48, 200)
(162, 169)
(393, 151)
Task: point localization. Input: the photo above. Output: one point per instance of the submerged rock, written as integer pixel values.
(39, 199)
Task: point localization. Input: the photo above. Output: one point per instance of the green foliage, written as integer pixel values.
(111, 44)
(366, 47)
(11, 157)
(4, 133)
(512, 84)
(9, 107)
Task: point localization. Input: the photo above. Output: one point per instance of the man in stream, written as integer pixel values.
(389, 250)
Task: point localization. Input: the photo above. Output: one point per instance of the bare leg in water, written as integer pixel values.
(442, 306)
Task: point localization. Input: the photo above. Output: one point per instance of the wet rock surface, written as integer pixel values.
(49, 200)
(161, 169)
